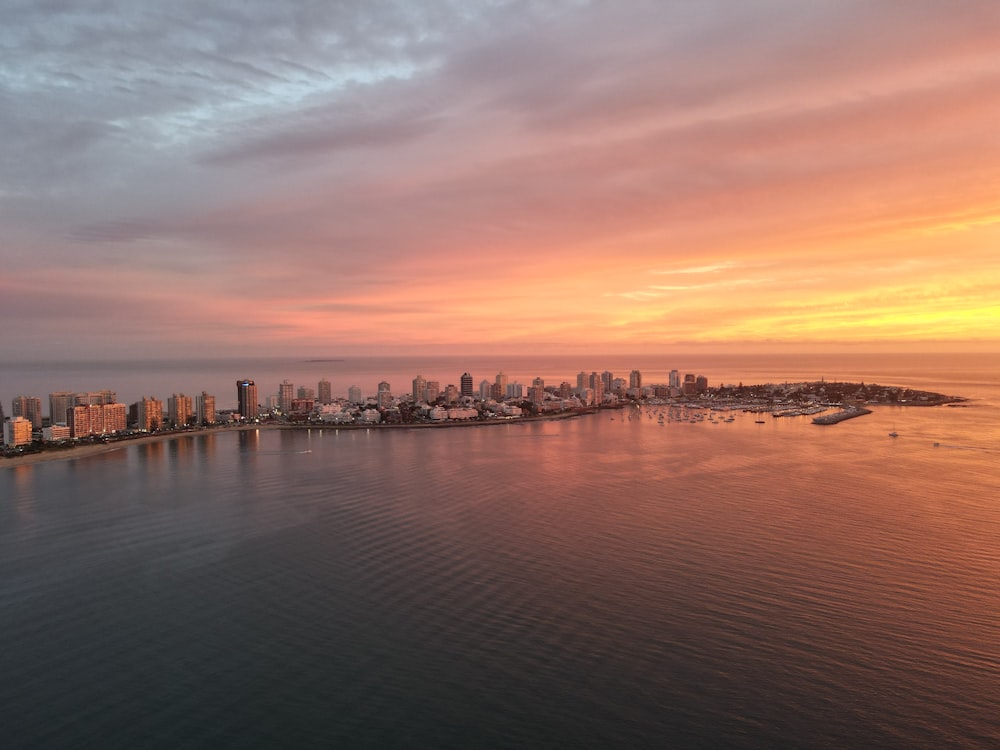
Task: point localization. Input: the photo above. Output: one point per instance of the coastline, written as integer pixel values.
(94, 449)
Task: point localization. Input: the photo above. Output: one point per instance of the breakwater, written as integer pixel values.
(848, 413)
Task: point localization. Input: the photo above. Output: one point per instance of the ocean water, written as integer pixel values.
(604, 581)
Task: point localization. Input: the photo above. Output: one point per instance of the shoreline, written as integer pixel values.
(93, 449)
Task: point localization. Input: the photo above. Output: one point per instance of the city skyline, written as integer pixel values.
(498, 177)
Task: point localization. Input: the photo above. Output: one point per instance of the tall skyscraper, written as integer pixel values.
(635, 379)
(286, 392)
(59, 402)
(419, 389)
(149, 414)
(609, 381)
(30, 408)
(204, 409)
(179, 410)
(433, 391)
(466, 384)
(354, 395)
(246, 396)
(324, 392)
(384, 395)
(675, 379)
(485, 389)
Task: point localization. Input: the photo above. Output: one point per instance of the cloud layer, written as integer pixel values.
(356, 176)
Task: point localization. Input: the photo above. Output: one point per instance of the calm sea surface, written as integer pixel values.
(605, 581)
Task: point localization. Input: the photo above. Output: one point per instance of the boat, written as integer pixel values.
(893, 433)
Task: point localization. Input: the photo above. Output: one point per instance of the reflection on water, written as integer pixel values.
(596, 582)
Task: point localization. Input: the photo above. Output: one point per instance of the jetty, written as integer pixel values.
(849, 412)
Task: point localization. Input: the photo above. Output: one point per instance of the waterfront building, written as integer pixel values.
(635, 379)
(451, 394)
(285, 396)
(324, 392)
(246, 398)
(302, 405)
(597, 386)
(149, 414)
(271, 403)
(538, 383)
(56, 433)
(178, 410)
(501, 380)
(204, 409)
(433, 391)
(701, 384)
(419, 389)
(30, 408)
(16, 431)
(608, 379)
(305, 394)
(514, 390)
(485, 390)
(581, 381)
(384, 397)
(565, 389)
(59, 402)
(675, 379)
(466, 384)
(690, 386)
(536, 394)
(85, 420)
(354, 395)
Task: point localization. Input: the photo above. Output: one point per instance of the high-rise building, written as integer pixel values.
(502, 382)
(565, 389)
(246, 397)
(675, 379)
(97, 397)
(419, 389)
(701, 384)
(16, 431)
(354, 395)
(84, 420)
(609, 381)
(325, 392)
(286, 392)
(485, 390)
(149, 414)
(204, 409)
(466, 384)
(581, 381)
(179, 409)
(597, 386)
(305, 394)
(433, 391)
(635, 379)
(30, 408)
(59, 402)
(515, 390)
(451, 394)
(384, 398)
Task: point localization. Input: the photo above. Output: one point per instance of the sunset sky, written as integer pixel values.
(352, 177)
